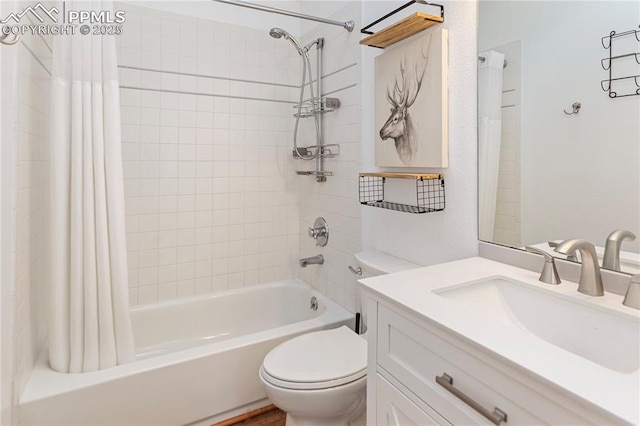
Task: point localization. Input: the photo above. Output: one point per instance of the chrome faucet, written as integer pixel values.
(313, 260)
(590, 277)
(571, 258)
(549, 274)
(611, 259)
(632, 298)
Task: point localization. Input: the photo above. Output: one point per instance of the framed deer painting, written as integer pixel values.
(411, 104)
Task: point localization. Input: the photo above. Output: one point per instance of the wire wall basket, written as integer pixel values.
(430, 194)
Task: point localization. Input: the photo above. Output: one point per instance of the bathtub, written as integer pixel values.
(197, 360)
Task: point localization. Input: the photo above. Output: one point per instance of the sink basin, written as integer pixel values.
(603, 335)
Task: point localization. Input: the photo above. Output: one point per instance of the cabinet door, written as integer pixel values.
(416, 355)
(395, 409)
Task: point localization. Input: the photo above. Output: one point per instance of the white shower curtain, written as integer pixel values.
(489, 134)
(90, 324)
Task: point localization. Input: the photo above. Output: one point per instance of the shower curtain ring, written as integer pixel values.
(576, 109)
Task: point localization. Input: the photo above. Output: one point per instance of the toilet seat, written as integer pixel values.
(312, 385)
(318, 360)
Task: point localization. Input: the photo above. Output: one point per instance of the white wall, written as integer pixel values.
(451, 234)
(580, 176)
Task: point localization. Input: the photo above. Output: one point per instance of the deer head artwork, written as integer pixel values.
(399, 125)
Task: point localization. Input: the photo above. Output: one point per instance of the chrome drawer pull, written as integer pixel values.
(496, 417)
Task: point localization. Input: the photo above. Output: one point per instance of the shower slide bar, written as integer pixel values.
(348, 25)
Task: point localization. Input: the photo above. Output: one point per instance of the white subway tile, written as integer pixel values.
(185, 288)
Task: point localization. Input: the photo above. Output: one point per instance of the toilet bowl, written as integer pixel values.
(319, 379)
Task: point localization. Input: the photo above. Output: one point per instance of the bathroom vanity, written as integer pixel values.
(480, 342)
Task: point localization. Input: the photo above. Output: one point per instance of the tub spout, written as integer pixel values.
(313, 260)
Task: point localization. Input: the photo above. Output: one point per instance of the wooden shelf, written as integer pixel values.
(402, 29)
(416, 176)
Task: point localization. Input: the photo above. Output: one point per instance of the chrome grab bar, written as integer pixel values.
(496, 417)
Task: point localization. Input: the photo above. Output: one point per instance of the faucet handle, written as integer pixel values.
(570, 257)
(549, 274)
(319, 232)
(632, 298)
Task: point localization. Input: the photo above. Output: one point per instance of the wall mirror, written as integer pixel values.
(559, 156)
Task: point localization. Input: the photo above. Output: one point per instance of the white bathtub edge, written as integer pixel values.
(44, 382)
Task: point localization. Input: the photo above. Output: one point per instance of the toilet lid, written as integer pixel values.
(317, 360)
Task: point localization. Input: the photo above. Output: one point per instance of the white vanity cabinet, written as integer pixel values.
(406, 354)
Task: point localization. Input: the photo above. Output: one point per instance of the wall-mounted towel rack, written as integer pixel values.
(607, 64)
(402, 29)
(606, 40)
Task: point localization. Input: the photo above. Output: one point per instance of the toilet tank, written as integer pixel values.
(374, 263)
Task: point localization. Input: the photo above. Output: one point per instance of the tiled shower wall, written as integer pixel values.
(211, 197)
(31, 202)
(336, 199)
(508, 224)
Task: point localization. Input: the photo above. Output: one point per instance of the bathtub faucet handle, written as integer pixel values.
(317, 232)
(320, 232)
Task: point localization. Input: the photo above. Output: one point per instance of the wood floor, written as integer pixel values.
(265, 416)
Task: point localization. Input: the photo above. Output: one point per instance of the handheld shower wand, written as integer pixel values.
(278, 33)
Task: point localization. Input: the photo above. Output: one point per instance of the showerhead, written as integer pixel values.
(279, 33)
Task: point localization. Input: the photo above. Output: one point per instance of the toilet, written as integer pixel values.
(320, 378)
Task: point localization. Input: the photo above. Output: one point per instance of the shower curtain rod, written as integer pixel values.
(348, 25)
(482, 59)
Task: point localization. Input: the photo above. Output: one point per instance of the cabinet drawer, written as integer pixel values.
(415, 354)
(395, 409)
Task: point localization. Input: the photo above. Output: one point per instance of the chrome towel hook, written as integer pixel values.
(576, 109)
(8, 40)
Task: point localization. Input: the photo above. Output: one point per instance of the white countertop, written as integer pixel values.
(616, 393)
